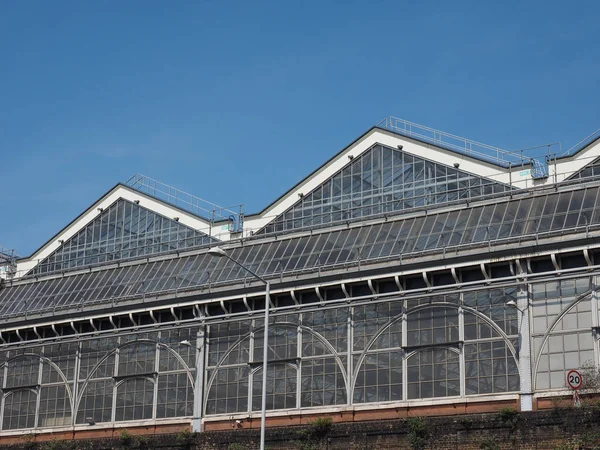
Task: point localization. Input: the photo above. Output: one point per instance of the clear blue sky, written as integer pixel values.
(237, 101)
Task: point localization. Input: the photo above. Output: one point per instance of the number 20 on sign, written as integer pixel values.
(574, 379)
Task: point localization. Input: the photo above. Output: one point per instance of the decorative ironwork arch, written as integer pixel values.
(418, 308)
(129, 344)
(561, 316)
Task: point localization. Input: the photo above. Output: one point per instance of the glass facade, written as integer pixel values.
(124, 230)
(561, 333)
(114, 379)
(452, 345)
(410, 309)
(382, 180)
(526, 217)
(353, 355)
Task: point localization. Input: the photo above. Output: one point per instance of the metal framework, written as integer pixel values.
(454, 289)
(233, 215)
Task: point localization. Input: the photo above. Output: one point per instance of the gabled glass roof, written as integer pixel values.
(381, 180)
(124, 230)
(592, 170)
(474, 226)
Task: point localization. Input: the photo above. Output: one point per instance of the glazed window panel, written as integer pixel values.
(96, 401)
(492, 303)
(552, 298)
(96, 361)
(433, 372)
(23, 371)
(374, 181)
(322, 383)
(123, 230)
(229, 391)
(370, 319)
(281, 387)
(330, 324)
(223, 338)
(137, 359)
(432, 326)
(175, 396)
(19, 409)
(561, 353)
(173, 339)
(490, 368)
(379, 378)
(135, 398)
(55, 407)
(283, 343)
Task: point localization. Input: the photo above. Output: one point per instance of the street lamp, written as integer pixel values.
(217, 251)
(513, 304)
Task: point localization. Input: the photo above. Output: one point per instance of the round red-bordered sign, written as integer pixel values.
(574, 379)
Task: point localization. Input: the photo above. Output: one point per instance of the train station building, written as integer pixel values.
(412, 271)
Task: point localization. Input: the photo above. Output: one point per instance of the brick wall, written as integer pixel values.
(506, 429)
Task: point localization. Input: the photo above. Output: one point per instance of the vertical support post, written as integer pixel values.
(461, 338)
(76, 375)
(263, 417)
(404, 355)
(157, 355)
(197, 421)
(251, 357)
(525, 348)
(349, 348)
(299, 359)
(113, 412)
(39, 390)
(595, 325)
(3, 384)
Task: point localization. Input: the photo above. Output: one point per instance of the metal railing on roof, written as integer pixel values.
(583, 143)
(7, 255)
(212, 212)
(465, 146)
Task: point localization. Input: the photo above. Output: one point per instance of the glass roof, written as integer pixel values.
(592, 170)
(124, 230)
(382, 180)
(504, 220)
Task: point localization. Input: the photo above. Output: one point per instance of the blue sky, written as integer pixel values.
(237, 101)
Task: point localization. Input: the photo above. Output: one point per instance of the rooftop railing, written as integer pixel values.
(466, 146)
(209, 211)
(583, 143)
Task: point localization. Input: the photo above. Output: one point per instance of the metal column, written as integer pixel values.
(525, 348)
(197, 423)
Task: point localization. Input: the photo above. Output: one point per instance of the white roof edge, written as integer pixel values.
(517, 176)
(118, 192)
(567, 166)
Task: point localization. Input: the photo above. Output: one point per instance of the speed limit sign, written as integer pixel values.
(574, 379)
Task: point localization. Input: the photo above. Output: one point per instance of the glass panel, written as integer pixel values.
(229, 391)
(19, 410)
(175, 396)
(134, 399)
(382, 179)
(281, 387)
(123, 230)
(433, 372)
(96, 401)
(55, 407)
(322, 383)
(379, 378)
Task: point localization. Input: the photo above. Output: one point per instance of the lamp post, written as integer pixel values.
(217, 251)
